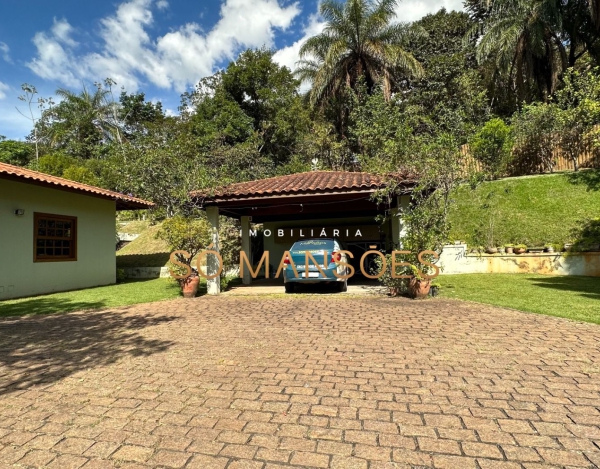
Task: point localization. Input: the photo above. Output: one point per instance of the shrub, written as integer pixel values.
(492, 146)
(121, 275)
(535, 137)
(185, 234)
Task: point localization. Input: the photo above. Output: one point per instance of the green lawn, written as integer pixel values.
(533, 210)
(129, 293)
(566, 297)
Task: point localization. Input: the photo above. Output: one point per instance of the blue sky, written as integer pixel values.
(160, 47)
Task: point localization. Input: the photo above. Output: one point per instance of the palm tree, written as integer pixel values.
(524, 40)
(80, 121)
(359, 40)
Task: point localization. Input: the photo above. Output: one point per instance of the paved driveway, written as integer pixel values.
(243, 382)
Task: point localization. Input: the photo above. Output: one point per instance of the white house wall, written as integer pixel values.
(95, 265)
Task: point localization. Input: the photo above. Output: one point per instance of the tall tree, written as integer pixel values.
(360, 41)
(523, 39)
(80, 122)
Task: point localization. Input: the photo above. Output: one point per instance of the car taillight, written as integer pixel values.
(336, 257)
(286, 261)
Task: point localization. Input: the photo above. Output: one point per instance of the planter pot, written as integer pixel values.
(568, 246)
(510, 250)
(501, 251)
(419, 288)
(189, 287)
(520, 250)
(549, 249)
(491, 250)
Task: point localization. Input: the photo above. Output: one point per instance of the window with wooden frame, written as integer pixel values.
(54, 238)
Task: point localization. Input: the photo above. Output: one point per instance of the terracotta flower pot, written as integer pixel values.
(189, 287)
(419, 288)
(491, 250)
(520, 251)
(510, 250)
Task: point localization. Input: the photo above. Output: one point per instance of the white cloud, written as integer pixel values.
(3, 89)
(5, 52)
(412, 10)
(55, 59)
(162, 4)
(179, 58)
(288, 56)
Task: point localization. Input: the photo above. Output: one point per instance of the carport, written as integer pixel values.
(307, 205)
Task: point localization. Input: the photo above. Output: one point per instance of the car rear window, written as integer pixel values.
(314, 245)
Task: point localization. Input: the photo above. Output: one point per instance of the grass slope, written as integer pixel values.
(134, 227)
(145, 250)
(566, 297)
(532, 210)
(112, 296)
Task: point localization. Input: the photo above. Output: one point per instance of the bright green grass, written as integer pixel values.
(566, 297)
(532, 210)
(124, 294)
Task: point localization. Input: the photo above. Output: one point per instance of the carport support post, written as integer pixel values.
(398, 225)
(213, 285)
(247, 279)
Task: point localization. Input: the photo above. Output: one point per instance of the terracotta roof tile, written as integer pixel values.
(124, 202)
(302, 183)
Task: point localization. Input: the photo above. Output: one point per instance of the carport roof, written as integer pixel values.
(314, 194)
(308, 183)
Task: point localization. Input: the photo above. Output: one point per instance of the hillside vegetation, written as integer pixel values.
(532, 210)
(144, 251)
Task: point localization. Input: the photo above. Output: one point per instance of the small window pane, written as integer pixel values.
(41, 232)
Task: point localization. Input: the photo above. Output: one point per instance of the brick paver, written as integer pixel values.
(314, 382)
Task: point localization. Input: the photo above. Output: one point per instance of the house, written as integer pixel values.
(311, 204)
(56, 234)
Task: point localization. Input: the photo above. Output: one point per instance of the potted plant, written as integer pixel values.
(509, 248)
(491, 250)
(189, 285)
(418, 287)
(501, 250)
(567, 246)
(188, 235)
(520, 249)
(549, 248)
